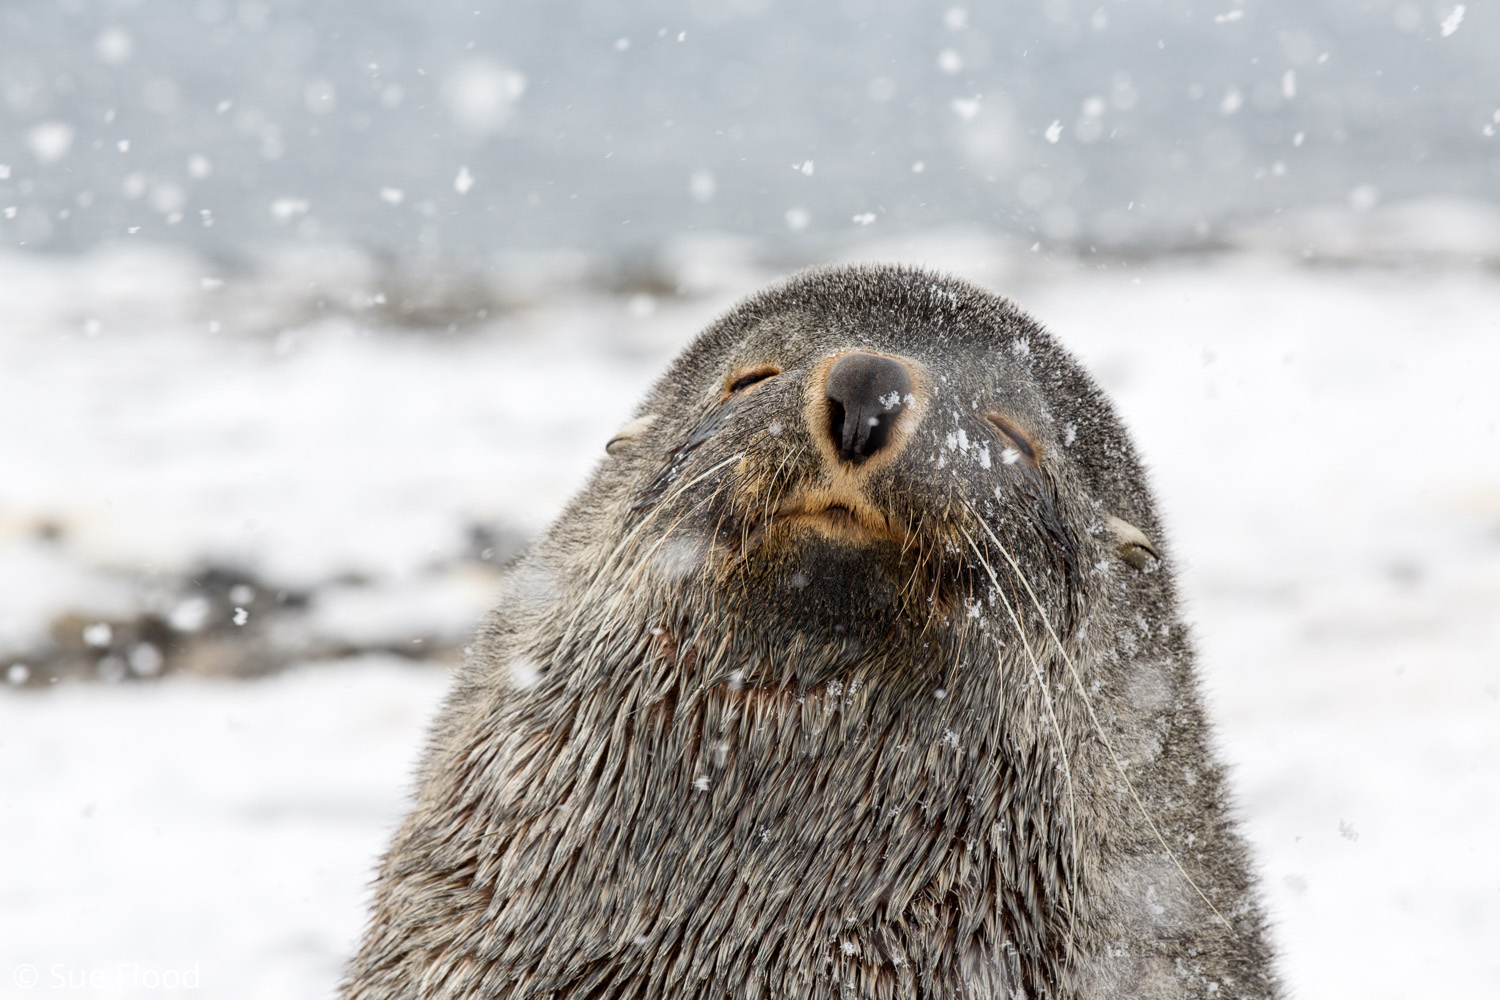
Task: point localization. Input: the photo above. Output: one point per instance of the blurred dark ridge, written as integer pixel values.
(218, 620)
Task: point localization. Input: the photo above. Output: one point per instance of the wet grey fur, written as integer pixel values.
(691, 757)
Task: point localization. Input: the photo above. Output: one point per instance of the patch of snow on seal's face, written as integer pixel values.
(678, 558)
(1157, 896)
(524, 673)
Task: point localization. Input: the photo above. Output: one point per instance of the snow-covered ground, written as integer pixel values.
(1324, 442)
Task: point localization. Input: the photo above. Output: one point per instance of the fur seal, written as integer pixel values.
(855, 670)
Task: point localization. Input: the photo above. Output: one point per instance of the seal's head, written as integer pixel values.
(848, 673)
(867, 458)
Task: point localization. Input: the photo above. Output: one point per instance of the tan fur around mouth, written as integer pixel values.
(840, 517)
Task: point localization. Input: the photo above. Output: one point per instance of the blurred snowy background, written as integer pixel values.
(313, 314)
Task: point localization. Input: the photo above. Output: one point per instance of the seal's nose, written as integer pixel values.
(866, 393)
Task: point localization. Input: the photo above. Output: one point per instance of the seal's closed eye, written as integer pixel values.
(1019, 444)
(749, 378)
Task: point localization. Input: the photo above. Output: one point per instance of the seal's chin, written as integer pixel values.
(832, 569)
(822, 573)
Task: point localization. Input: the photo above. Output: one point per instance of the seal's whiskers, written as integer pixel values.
(1088, 705)
(1062, 749)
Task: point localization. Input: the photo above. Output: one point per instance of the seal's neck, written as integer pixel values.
(864, 808)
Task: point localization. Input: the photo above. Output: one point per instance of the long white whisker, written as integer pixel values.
(628, 541)
(1088, 704)
(1062, 747)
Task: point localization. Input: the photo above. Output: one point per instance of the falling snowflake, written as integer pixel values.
(966, 107)
(524, 673)
(1453, 20)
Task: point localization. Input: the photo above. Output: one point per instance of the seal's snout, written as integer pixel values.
(865, 393)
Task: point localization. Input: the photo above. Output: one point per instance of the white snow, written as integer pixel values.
(481, 94)
(965, 107)
(114, 46)
(223, 827)
(1325, 446)
(1323, 442)
(524, 673)
(50, 141)
(1453, 20)
(702, 185)
(286, 209)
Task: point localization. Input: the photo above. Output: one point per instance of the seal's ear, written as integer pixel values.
(624, 440)
(1131, 543)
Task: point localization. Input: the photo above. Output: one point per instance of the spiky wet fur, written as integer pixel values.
(703, 750)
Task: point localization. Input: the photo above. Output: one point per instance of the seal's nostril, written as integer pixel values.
(836, 423)
(866, 393)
